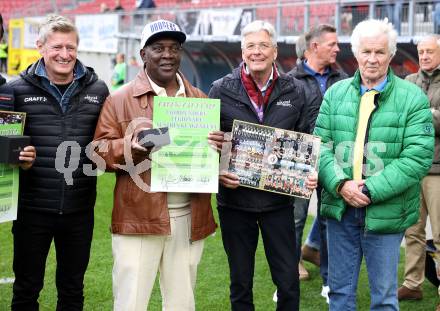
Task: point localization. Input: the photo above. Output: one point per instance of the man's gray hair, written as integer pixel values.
(430, 36)
(56, 23)
(257, 26)
(373, 28)
(300, 48)
(317, 32)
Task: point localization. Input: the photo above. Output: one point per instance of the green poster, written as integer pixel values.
(188, 163)
(11, 123)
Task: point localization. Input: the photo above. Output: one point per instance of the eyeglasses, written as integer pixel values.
(160, 49)
(262, 46)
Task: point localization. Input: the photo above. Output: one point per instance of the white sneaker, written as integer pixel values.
(275, 296)
(324, 293)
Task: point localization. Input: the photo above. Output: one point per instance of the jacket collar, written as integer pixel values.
(356, 83)
(29, 74)
(300, 71)
(79, 70)
(435, 73)
(142, 86)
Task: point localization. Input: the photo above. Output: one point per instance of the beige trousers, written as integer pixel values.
(415, 236)
(138, 258)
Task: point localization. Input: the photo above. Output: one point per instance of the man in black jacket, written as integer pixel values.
(317, 71)
(62, 99)
(256, 92)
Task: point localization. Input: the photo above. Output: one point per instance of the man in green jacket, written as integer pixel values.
(428, 79)
(377, 145)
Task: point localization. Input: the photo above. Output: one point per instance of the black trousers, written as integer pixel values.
(240, 231)
(33, 235)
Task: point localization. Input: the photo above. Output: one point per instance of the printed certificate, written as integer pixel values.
(188, 163)
(11, 123)
(273, 159)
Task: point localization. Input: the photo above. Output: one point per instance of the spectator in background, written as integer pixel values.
(152, 231)
(2, 79)
(437, 18)
(3, 56)
(62, 99)
(392, 9)
(104, 8)
(145, 4)
(377, 145)
(246, 94)
(317, 72)
(118, 6)
(428, 79)
(119, 72)
(133, 61)
(301, 49)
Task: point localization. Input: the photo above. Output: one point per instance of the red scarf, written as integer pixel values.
(253, 90)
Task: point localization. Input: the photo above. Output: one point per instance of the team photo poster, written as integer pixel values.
(273, 159)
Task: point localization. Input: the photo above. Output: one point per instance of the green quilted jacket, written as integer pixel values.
(398, 154)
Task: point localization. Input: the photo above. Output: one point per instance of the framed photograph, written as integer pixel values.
(273, 159)
(11, 123)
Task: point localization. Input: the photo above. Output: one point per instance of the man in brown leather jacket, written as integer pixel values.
(151, 231)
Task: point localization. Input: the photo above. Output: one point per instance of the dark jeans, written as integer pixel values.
(240, 231)
(317, 237)
(33, 235)
(348, 244)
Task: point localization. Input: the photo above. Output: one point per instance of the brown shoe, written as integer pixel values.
(405, 293)
(311, 255)
(303, 273)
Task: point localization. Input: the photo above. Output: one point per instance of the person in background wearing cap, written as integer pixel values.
(158, 231)
(257, 92)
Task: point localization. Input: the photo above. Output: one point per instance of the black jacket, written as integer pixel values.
(313, 92)
(284, 110)
(43, 187)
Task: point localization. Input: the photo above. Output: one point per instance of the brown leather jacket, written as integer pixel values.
(136, 211)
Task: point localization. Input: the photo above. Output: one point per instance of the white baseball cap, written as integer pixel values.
(161, 29)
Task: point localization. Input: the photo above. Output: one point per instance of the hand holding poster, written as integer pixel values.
(188, 163)
(11, 123)
(273, 159)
